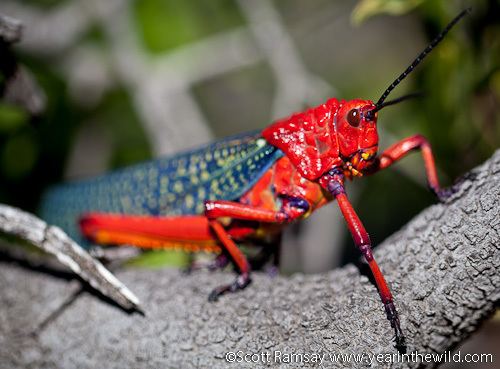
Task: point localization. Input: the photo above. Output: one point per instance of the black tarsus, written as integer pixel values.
(392, 316)
(241, 281)
(419, 58)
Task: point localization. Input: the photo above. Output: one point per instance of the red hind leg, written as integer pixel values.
(189, 233)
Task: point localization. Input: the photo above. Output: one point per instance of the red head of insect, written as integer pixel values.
(357, 132)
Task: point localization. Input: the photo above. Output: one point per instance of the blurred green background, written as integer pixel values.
(126, 81)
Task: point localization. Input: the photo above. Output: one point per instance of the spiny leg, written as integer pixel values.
(334, 184)
(291, 209)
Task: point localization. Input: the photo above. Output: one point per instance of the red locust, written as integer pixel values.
(247, 188)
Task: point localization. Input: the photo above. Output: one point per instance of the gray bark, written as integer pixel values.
(442, 268)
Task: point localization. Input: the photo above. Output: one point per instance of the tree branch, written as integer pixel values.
(442, 267)
(54, 241)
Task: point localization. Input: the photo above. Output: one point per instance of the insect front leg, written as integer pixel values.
(334, 183)
(291, 209)
(400, 149)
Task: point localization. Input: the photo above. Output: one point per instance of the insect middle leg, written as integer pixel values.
(269, 250)
(219, 209)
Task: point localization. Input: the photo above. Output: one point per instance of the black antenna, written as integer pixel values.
(380, 103)
(399, 99)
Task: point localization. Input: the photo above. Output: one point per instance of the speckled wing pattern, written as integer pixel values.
(177, 185)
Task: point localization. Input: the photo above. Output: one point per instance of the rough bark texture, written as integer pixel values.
(442, 267)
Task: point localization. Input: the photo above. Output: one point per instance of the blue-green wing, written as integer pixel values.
(177, 185)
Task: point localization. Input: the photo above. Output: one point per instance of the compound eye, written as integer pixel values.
(353, 117)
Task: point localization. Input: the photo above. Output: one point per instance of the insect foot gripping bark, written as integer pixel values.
(246, 189)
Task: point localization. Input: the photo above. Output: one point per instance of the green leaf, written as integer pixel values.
(368, 8)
